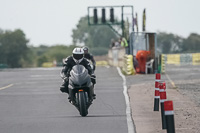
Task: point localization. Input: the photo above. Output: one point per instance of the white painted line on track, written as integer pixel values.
(131, 126)
(6, 86)
(172, 83)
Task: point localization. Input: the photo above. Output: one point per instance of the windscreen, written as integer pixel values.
(78, 69)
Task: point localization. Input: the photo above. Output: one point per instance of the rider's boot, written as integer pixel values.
(92, 93)
(64, 87)
(71, 95)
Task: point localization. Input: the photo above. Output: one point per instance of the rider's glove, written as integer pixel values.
(94, 67)
(93, 79)
(66, 79)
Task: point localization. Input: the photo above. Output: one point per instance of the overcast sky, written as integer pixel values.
(51, 21)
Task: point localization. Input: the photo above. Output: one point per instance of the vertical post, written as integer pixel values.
(164, 86)
(169, 115)
(163, 98)
(156, 53)
(122, 22)
(131, 43)
(157, 94)
(88, 16)
(132, 19)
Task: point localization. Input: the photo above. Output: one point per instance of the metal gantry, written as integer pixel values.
(112, 21)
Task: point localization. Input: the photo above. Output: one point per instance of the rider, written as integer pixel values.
(89, 56)
(77, 57)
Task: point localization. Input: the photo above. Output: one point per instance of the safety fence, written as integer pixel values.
(179, 59)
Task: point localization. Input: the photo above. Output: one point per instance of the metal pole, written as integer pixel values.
(122, 22)
(88, 17)
(132, 19)
(156, 53)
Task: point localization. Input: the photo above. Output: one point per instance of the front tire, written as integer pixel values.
(82, 104)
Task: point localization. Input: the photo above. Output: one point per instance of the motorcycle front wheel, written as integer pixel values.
(82, 103)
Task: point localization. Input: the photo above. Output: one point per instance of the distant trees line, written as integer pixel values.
(171, 43)
(15, 50)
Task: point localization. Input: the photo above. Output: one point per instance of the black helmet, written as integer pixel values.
(85, 49)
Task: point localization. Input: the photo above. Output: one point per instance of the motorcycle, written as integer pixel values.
(81, 89)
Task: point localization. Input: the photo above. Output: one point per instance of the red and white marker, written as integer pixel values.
(169, 116)
(157, 93)
(163, 98)
(164, 86)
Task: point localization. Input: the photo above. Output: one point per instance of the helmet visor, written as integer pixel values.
(85, 51)
(78, 56)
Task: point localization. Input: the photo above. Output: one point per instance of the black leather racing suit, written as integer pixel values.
(67, 66)
(90, 57)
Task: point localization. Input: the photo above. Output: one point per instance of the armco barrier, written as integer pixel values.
(128, 65)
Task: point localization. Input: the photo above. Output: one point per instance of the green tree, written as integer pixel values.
(41, 59)
(92, 36)
(192, 43)
(169, 43)
(59, 52)
(13, 48)
(44, 53)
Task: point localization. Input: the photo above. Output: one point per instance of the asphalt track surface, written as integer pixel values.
(187, 79)
(30, 102)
